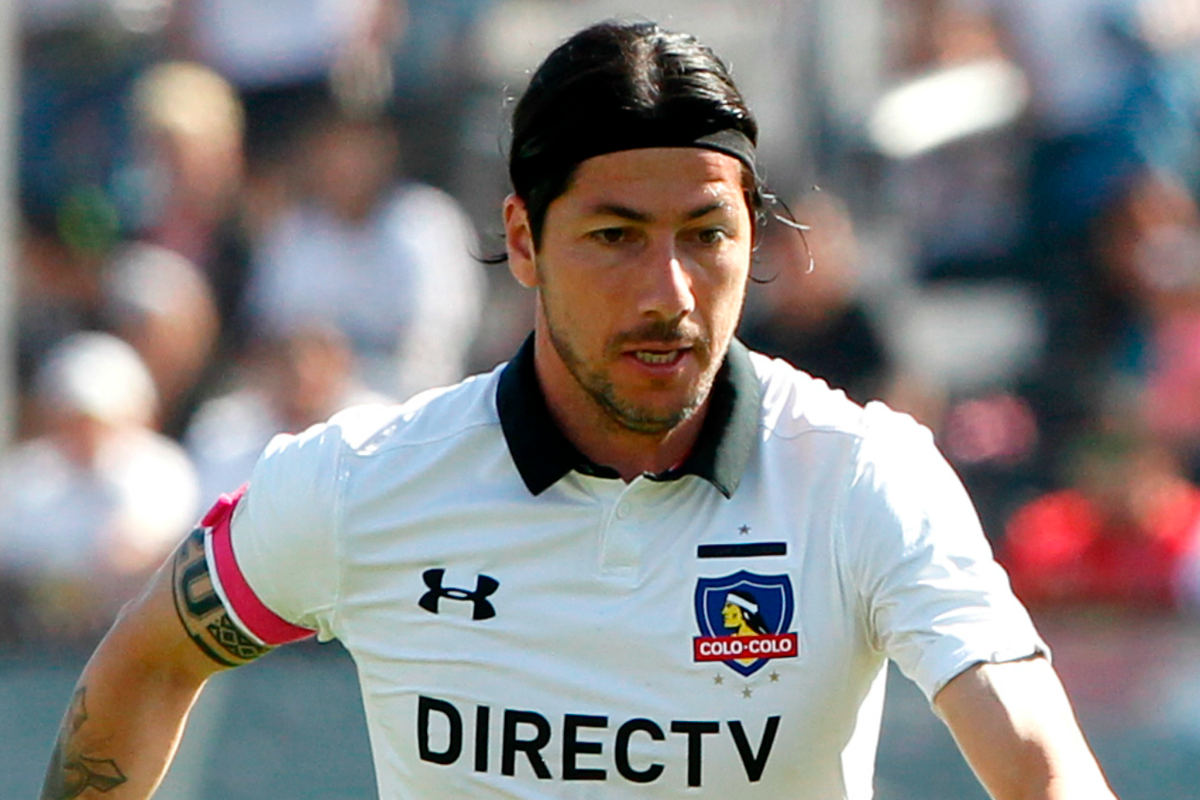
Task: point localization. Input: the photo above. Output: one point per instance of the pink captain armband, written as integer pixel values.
(240, 600)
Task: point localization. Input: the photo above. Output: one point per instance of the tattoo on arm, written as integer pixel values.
(71, 773)
(200, 609)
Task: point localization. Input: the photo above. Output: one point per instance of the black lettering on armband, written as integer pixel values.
(200, 609)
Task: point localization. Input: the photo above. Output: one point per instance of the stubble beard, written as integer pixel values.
(598, 386)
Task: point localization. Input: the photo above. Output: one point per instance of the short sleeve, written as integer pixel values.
(279, 572)
(937, 602)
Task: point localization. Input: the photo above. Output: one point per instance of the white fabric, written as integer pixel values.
(404, 286)
(121, 515)
(1071, 50)
(227, 434)
(265, 42)
(98, 375)
(594, 612)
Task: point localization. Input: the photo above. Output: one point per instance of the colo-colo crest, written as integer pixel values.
(744, 620)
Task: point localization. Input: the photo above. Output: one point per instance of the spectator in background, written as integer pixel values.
(94, 503)
(190, 125)
(284, 57)
(152, 297)
(1149, 244)
(960, 195)
(1118, 535)
(1093, 106)
(94, 125)
(813, 317)
(294, 380)
(1096, 120)
(392, 264)
(160, 303)
(80, 176)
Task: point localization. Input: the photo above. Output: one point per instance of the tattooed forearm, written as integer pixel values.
(71, 773)
(200, 608)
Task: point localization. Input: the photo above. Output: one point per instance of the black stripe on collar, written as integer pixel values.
(543, 454)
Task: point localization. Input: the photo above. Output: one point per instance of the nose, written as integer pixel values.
(667, 292)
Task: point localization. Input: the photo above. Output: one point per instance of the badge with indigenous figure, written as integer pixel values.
(744, 620)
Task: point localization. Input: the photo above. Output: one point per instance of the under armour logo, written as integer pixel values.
(484, 587)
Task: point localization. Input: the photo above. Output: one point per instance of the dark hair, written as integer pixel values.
(615, 86)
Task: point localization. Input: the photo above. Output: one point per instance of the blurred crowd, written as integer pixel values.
(220, 242)
(240, 216)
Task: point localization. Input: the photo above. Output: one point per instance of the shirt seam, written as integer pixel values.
(364, 451)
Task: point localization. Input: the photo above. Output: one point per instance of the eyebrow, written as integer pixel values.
(633, 215)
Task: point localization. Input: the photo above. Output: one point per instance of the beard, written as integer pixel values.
(626, 413)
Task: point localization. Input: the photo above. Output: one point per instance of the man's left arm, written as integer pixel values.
(1015, 726)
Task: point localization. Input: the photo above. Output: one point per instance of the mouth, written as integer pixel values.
(662, 351)
(658, 357)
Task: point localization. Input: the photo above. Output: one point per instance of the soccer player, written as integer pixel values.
(489, 553)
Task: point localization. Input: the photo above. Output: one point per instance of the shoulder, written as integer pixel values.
(795, 403)
(880, 456)
(299, 484)
(433, 416)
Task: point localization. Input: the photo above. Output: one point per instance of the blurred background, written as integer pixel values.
(223, 219)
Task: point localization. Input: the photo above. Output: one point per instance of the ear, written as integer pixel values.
(518, 235)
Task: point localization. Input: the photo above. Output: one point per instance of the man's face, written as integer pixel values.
(641, 275)
(731, 616)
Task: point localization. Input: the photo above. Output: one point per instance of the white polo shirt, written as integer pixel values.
(528, 625)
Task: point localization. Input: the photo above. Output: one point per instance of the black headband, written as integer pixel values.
(731, 142)
(568, 149)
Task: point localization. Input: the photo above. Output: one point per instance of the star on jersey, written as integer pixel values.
(744, 530)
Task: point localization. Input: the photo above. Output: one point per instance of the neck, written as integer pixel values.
(600, 437)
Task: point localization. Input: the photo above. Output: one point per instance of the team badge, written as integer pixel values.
(744, 620)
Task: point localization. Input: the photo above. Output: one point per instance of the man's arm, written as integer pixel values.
(1015, 726)
(128, 709)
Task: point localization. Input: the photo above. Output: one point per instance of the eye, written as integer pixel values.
(711, 235)
(610, 235)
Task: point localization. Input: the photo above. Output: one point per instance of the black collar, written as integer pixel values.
(543, 454)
